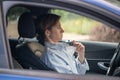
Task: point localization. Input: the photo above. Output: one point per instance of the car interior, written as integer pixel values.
(26, 53)
(26, 50)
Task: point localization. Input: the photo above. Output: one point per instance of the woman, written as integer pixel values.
(57, 55)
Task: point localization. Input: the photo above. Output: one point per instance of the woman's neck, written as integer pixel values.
(51, 41)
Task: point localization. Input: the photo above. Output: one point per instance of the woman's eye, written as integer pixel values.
(58, 27)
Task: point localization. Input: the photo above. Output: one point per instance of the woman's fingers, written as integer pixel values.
(78, 45)
(80, 49)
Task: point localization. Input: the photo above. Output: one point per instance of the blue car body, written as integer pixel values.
(6, 71)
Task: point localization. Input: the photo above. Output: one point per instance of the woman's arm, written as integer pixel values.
(58, 63)
(80, 49)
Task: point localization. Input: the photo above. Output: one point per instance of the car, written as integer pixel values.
(16, 31)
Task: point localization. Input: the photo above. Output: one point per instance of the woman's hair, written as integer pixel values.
(43, 22)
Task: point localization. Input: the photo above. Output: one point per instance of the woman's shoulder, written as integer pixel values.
(57, 49)
(55, 46)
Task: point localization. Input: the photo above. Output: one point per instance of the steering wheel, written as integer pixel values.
(115, 61)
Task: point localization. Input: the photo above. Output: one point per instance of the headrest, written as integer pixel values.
(26, 26)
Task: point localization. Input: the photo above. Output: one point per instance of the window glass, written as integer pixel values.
(78, 27)
(12, 19)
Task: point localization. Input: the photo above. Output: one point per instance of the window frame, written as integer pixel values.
(72, 7)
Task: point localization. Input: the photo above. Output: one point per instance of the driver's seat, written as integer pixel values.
(24, 54)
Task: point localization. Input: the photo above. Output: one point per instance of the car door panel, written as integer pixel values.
(97, 52)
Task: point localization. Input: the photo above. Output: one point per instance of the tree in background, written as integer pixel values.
(73, 23)
(14, 13)
(103, 32)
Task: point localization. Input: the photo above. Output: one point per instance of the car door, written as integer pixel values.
(99, 55)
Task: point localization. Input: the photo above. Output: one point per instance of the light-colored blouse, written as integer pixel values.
(60, 58)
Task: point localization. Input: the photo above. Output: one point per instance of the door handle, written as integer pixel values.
(103, 65)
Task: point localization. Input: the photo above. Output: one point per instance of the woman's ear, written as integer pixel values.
(47, 33)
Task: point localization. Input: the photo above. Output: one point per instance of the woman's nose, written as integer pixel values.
(62, 30)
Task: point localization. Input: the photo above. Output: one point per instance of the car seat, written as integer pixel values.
(26, 49)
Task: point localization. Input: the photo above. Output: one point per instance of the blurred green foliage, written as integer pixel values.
(14, 13)
(74, 23)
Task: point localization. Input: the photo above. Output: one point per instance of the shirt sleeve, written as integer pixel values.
(59, 64)
(82, 67)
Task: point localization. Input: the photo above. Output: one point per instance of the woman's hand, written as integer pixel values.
(80, 49)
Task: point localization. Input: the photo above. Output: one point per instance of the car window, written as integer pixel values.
(12, 17)
(84, 28)
(80, 27)
(76, 27)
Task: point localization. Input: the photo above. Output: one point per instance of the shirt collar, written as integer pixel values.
(58, 45)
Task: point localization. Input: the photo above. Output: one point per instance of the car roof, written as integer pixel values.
(104, 4)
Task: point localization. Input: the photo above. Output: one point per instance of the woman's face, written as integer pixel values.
(55, 34)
